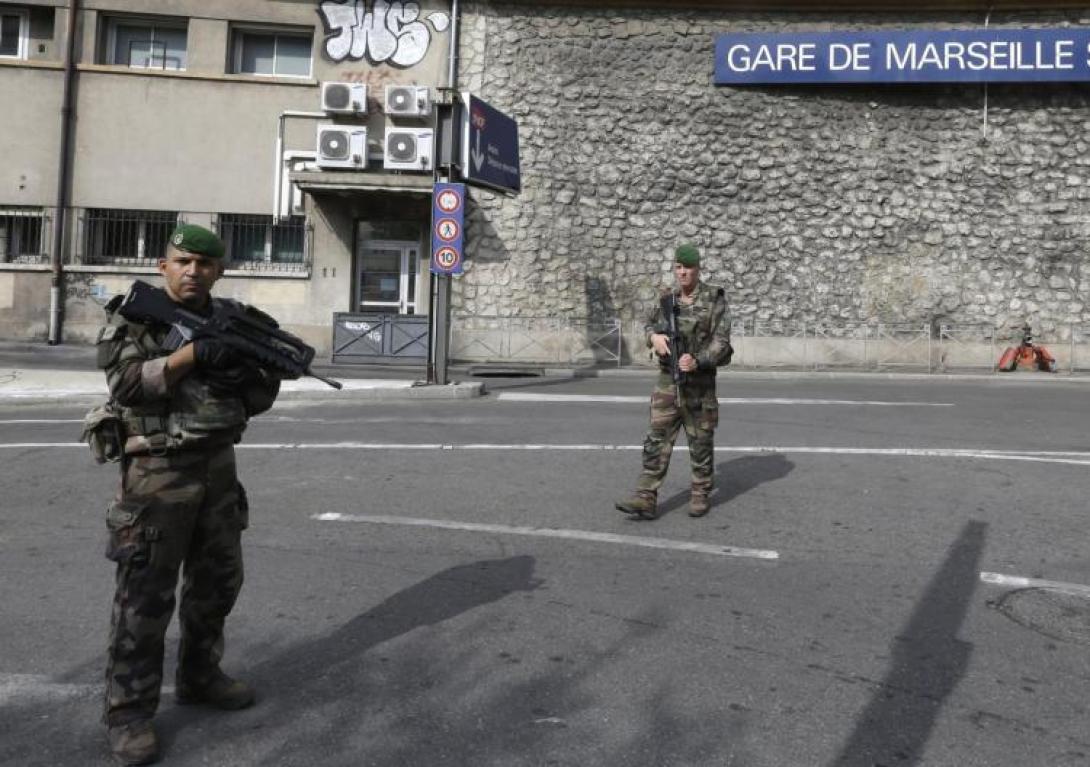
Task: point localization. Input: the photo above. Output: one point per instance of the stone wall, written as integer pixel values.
(811, 204)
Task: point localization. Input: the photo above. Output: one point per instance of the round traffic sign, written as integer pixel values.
(447, 258)
(449, 200)
(447, 229)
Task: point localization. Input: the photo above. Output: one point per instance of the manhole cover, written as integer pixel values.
(1055, 614)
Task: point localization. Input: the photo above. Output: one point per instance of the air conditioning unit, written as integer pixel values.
(408, 148)
(342, 146)
(344, 98)
(408, 100)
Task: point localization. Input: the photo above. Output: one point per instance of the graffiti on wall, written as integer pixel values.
(82, 287)
(381, 31)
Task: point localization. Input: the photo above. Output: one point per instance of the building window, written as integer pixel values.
(23, 235)
(144, 44)
(14, 33)
(280, 53)
(126, 236)
(255, 242)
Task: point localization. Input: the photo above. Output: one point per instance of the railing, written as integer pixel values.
(763, 344)
(980, 346)
(535, 340)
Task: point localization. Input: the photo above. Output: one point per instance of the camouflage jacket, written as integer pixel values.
(704, 325)
(194, 411)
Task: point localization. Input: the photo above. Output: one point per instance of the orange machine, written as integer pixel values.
(1027, 355)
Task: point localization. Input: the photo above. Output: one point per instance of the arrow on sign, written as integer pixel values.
(478, 156)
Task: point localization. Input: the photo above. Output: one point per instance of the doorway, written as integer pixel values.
(387, 275)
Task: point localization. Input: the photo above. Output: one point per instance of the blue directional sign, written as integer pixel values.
(448, 206)
(904, 56)
(491, 152)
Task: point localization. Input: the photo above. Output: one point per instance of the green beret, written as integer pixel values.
(687, 255)
(196, 239)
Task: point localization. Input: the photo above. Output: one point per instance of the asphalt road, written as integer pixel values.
(448, 583)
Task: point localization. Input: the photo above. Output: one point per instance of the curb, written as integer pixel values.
(457, 391)
(858, 375)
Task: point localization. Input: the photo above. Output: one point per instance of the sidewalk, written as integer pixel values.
(35, 373)
(41, 374)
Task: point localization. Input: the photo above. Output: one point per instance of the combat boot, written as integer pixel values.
(699, 503)
(642, 504)
(134, 743)
(216, 689)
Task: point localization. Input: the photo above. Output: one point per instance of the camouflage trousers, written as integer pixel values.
(698, 412)
(185, 508)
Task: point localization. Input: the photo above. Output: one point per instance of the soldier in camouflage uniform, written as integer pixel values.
(704, 325)
(183, 408)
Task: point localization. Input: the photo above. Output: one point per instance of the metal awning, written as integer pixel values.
(344, 183)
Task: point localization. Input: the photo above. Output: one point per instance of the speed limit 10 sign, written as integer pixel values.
(447, 225)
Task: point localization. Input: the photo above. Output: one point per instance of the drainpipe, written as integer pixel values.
(278, 184)
(452, 69)
(64, 177)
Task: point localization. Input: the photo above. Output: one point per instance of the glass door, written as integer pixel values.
(386, 276)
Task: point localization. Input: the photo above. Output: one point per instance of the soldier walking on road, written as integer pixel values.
(703, 327)
(183, 406)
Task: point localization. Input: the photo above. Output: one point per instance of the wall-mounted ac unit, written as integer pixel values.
(344, 98)
(408, 148)
(342, 146)
(408, 101)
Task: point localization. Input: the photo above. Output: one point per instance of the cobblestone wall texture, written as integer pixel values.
(841, 204)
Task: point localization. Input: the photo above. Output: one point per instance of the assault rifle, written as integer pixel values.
(670, 312)
(250, 336)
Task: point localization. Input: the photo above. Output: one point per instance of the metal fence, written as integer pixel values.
(980, 346)
(821, 345)
(562, 341)
(762, 344)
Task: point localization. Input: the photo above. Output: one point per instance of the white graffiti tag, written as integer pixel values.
(388, 32)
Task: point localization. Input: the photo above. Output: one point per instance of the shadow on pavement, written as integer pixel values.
(734, 478)
(928, 660)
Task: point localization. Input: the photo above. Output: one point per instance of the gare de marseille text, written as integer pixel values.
(892, 56)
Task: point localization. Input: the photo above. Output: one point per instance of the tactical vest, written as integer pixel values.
(195, 415)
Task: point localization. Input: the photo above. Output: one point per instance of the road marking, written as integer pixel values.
(643, 399)
(43, 420)
(38, 688)
(28, 687)
(1073, 457)
(1017, 581)
(551, 532)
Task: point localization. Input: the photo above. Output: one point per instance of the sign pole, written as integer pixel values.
(442, 328)
(447, 236)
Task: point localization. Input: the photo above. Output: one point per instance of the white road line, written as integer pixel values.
(38, 688)
(644, 399)
(550, 532)
(42, 420)
(26, 688)
(1075, 458)
(1017, 581)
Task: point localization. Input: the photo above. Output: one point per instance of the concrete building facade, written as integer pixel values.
(824, 206)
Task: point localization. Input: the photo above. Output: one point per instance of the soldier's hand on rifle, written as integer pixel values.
(687, 363)
(211, 353)
(660, 342)
(230, 380)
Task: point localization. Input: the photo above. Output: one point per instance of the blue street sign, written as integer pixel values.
(904, 56)
(491, 151)
(448, 206)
